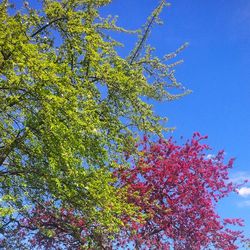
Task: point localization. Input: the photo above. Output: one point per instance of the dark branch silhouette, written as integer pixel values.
(146, 32)
(47, 25)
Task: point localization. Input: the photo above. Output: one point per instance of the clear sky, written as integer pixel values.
(216, 68)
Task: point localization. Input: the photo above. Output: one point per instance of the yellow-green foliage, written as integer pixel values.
(70, 106)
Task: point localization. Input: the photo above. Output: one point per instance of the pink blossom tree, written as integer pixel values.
(177, 188)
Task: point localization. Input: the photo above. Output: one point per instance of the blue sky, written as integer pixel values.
(216, 68)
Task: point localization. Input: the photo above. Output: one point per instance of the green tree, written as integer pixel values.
(70, 107)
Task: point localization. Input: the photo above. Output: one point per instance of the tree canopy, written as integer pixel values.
(71, 112)
(177, 187)
(71, 106)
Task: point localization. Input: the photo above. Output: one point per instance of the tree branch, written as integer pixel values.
(146, 31)
(18, 139)
(47, 25)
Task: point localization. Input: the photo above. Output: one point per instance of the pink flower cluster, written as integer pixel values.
(177, 188)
